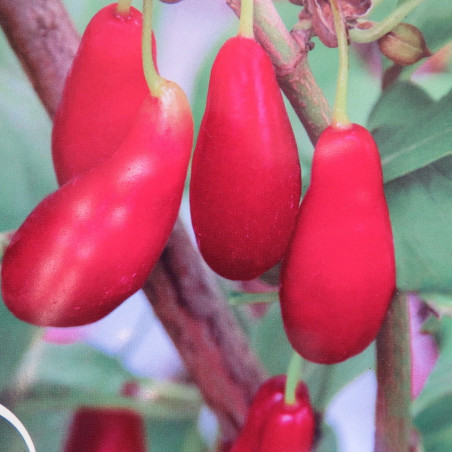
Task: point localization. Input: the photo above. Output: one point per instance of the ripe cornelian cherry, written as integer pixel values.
(339, 274)
(246, 180)
(103, 92)
(106, 430)
(91, 244)
(272, 425)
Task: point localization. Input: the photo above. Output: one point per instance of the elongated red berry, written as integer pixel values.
(245, 181)
(106, 430)
(89, 245)
(288, 428)
(274, 426)
(339, 274)
(268, 394)
(103, 92)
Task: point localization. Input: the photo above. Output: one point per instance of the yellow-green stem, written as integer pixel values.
(340, 117)
(385, 26)
(153, 79)
(123, 7)
(246, 19)
(293, 378)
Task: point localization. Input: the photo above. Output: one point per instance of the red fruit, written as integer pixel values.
(339, 274)
(269, 415)
(106, 430)
(245, 181)
(91, 244)
(288, 428)
(268, 394)
(103, 92)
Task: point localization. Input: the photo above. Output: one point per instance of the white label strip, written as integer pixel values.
(11, 417)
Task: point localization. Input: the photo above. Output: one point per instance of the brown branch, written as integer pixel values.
(45, 41)
(393, 415)
(214, 349)
(289, 57)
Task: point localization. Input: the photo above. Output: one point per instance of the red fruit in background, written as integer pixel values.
(269, 393)
(339, 274)
(91, 244)
(288, 428)
(245, 180)
(269, 417)
(106, 430)
(103, 92)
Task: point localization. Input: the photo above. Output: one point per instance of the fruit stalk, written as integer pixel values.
(246, 19)
(293, 377)
(340, 118)
(153, 79)
(123, 7)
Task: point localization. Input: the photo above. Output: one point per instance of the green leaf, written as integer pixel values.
(415, 133)
(193, 441)
(167, 436)
(435, 426)
(17, 336)
(47, 429)
(327, 441)
(269, 340)
(398, 105)
(440, 303)
(67, 376)
(421, 213)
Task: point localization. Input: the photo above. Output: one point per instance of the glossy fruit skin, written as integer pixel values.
(91, 244)
(103, 92)
(288, 428)
(338, 277)
(246, 179)
(106, 430)
(270, 415)
(268, 394)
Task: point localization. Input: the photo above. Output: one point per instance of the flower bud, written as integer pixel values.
(404, 45)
